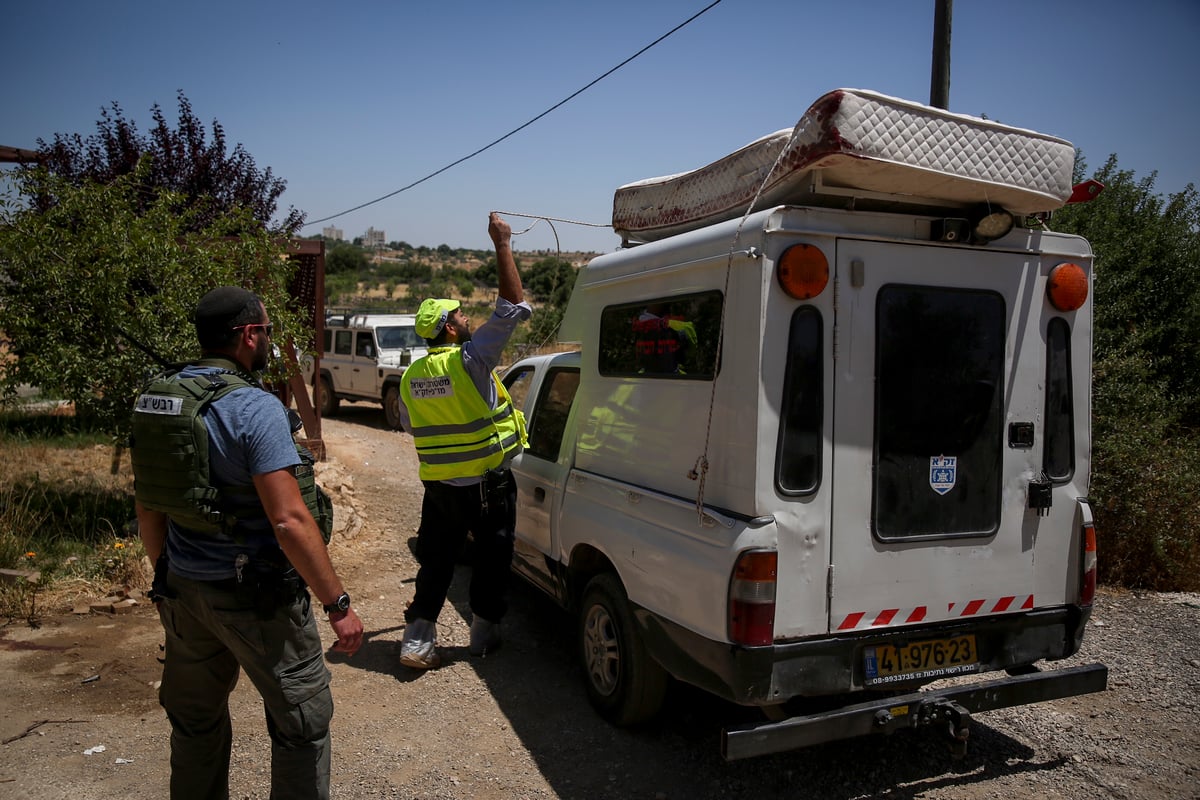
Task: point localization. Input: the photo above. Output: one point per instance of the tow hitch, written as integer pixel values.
(957, 719)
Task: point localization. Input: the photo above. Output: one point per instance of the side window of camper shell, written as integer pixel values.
(669, 337)
(798, 455)
(550, 413)
(1058, 460)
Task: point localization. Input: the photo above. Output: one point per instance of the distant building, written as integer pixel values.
(374, 238)
(333, 233)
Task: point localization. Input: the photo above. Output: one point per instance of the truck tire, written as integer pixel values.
(391, 406)
(329, 400)
(625, 685)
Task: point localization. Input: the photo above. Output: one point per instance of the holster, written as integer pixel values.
(497, 488)
(274, 588)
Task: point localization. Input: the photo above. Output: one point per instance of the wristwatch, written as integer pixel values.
(341, 604)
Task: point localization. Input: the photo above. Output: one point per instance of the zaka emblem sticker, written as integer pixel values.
(943, 471)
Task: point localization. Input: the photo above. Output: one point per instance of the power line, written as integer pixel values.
(490, 145)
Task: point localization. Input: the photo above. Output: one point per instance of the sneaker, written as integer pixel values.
(485, 636)
(418, 649)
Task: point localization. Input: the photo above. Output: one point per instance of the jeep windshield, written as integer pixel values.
(395, 337)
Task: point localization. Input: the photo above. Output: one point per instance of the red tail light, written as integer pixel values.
(1087, 586)
(752, 598)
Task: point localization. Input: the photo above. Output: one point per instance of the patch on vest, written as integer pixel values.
(431, 388)
(159, 404)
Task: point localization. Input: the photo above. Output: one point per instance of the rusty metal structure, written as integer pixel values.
(307, 290)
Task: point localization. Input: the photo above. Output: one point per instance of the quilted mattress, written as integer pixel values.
(856, 148)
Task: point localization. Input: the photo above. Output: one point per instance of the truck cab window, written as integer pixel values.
(550, 416)
(341, 342)
(517, 383)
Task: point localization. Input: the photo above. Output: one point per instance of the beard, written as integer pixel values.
(262, 354)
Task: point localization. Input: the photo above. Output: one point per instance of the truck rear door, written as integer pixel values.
(939, 363)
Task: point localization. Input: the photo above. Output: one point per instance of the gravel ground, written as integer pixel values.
(517, 724)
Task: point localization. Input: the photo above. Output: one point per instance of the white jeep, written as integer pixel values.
(363, 357)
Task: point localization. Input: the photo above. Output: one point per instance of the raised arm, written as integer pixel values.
(506, 266)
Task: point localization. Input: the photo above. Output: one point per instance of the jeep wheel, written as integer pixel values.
(625, 685)
(391, 406)
(329, 400)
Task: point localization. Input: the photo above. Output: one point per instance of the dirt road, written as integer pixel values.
(517, 724)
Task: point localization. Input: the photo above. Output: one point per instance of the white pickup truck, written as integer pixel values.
(363, 357)
(816, 457)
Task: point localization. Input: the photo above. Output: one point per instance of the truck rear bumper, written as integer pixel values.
(833, 665)
(950, 706)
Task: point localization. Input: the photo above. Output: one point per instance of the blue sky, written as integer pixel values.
(349, 102)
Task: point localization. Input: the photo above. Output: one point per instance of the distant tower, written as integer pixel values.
(333, 233)
(374, 238)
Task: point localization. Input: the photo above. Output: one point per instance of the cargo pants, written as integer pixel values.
(448, 513)
(212, 630)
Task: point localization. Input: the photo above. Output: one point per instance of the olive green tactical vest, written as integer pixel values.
(170, 454)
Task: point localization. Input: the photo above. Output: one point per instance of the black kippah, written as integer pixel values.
(216, 311)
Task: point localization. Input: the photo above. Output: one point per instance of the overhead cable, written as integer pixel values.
(492, 144)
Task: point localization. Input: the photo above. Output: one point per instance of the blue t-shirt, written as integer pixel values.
(248, 435)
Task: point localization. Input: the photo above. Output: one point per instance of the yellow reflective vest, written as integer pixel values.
(456, 433)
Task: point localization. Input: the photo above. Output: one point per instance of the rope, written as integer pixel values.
(557, 249)
(700, 468)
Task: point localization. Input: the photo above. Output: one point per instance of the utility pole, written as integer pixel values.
(939, 80)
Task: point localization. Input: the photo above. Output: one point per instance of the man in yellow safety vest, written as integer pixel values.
(466, 431)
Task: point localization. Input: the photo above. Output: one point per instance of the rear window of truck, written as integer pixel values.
(939, 365)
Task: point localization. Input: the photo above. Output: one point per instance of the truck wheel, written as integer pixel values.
(625, 685)
(329, 400)
(391, 407)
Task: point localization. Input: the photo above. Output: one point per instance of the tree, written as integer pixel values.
(550, 280)
(1146, 376)
(211, 181)
(89, 281)
(348, 258)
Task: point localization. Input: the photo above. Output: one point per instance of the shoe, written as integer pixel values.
(418, 649)
(485, 636)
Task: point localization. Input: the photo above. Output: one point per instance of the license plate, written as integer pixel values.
(932, 658)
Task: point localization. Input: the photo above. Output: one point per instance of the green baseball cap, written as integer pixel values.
(432, 316)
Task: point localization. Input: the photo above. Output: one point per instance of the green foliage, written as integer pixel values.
(550, 280)
(1146, 378)
(346, 258)
(182, 161)
(86, 280)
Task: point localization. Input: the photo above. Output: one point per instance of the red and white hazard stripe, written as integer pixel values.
(892, 617)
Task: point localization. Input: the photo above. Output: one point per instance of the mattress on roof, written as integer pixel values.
(853, 143)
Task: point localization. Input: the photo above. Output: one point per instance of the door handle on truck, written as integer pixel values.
(539, 494)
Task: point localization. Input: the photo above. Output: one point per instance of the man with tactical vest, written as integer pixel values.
(466, 431)
(234, 556)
